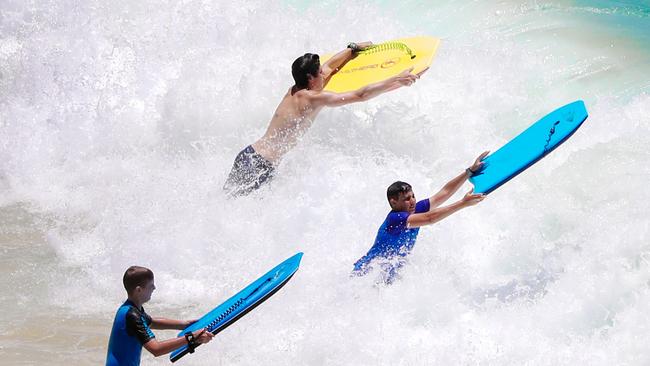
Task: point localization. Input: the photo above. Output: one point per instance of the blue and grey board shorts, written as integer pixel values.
(249, 172)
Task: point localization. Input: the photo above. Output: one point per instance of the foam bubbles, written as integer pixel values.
(120, 122)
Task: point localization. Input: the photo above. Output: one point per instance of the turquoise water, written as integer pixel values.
(119, 122)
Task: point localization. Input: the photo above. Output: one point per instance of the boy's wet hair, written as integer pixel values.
(307, 64)
(396, 188)
(136, 276)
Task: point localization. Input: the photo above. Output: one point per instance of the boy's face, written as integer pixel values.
(404, 202)
(144, 292)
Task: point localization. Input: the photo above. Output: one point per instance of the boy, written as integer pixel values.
(131, 327)
(396, 236)
(255, 165)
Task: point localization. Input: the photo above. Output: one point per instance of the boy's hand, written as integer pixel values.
(478, 163)
(471, 199)
(406, 78)
(190, 322)
(363, 45)
(203, 336)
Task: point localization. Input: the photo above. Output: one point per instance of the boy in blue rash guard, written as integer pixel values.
(132, 325)
(396, 236)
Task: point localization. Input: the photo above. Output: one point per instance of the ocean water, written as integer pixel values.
(119, 122)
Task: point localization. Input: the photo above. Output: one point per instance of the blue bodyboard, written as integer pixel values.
(528, 147)
(243, 302)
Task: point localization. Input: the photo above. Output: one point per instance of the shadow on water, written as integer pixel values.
(529, 287)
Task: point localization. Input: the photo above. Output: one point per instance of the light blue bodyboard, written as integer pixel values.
(243, 302)
(528, 147)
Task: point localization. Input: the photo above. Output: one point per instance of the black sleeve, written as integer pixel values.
(137, 325)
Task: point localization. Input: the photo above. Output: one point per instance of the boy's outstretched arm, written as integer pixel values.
(436, 214)
(330, 99)
(453, 185)
(331, 66)
(159, 348)
(164, 323)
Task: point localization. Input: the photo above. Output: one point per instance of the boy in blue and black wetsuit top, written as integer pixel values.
(396, 236)
(132, 325)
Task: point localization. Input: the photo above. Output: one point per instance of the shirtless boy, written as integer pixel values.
(255, 165)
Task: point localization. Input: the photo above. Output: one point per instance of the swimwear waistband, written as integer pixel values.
(251, 150)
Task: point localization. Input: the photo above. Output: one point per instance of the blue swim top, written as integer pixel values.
(394, 241)
(130, 331)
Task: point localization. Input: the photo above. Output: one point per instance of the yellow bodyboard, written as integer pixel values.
(382, 61)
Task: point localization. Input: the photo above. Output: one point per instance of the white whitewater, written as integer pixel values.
(120, 120)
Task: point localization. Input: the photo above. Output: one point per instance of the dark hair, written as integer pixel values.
(396, 188)
(136, 276)
(307, 64)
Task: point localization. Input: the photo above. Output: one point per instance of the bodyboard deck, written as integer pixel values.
(529, 147)
(244, 301)
(382, 61)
